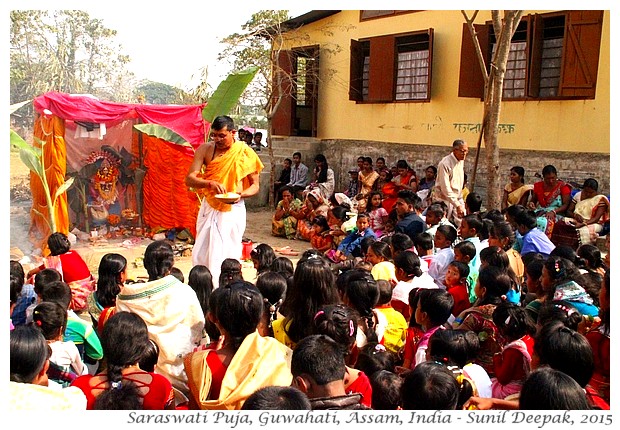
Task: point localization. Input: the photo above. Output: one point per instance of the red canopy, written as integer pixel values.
(186, 120)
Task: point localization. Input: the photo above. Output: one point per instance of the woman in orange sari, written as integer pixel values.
(367, 177)
(313, 206)
(400, 182)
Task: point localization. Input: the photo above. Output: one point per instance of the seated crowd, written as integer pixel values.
(392, 307)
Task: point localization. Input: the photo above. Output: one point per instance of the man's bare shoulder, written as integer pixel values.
(205, 151)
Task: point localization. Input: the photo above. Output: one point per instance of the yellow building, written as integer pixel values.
(382, 82)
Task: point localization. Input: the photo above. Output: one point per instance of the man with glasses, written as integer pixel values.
(229, 166)
(450, 180)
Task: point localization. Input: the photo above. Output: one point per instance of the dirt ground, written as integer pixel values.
(258, 230)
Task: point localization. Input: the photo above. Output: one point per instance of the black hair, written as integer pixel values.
(497, 284)
(125, 340)
(230, 271)
(109, 279)
(436, 209)
(474, 222)
(485, 231)
(526, 219)
(448, 232)
(386, 387)
(201, 281)
(591, 256)
(503, 230)
(264, 256)
(51, 318)
(473, 201)
(566, 350)
(513, 321)
(466, 248)
(283, 265)
(559, 310)
(513, 211)
(239, 310)
(339, 322)
(313, 287)
(297, 153)
(423, 241)
(400, 242)
(437, 303)
(533, 263)
(410, 198)
(150, 357)
(44, 277)
(402, 164)
(362, 293)
(458, 347)
(158, 259)
(568, 253)
(277, 398)
(385, 291)
(322, 174)
(550, 389)
(272, 286)
(381, 249)
(430, 386)
(493, 215)
(463, 268)
(17, 269)
(177, 273)
(17, 284)
(364, 245)
(210, 327)
(374, 357)
(519, 171)
(57, 292)
(223, 121)
(549, 169)
(560, 269)
(28, 353)
(590, 183)
(58, 243)
(321, 221)
(340, 213)
(320, 358)
(409, 262)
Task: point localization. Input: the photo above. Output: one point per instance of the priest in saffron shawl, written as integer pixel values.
(222, 165)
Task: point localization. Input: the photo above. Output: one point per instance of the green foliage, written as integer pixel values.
(161, 94)
(227, 94)
(162, 132)
(67, 51)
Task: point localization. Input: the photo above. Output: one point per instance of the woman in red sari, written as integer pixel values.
(400, 182)
(71, 266)
(550, 199)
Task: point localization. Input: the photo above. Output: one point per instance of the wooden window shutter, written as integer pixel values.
(582, 46)
(536, 39)
(471, 80)
(382, 69)
(356, 71)
(431, 32)
(282, 121)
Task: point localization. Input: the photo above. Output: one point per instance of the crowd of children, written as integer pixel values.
(377, 314)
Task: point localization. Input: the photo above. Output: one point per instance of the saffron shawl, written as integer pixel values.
(232, 166)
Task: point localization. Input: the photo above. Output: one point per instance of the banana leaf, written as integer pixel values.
(29, 155)
(64, 187)
(227, 94)
(162, 132)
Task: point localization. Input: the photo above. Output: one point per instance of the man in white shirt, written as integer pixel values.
(299, 174)
(450, 180)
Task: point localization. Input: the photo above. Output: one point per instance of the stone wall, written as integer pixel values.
(342, 155)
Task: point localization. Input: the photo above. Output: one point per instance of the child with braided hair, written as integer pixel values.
(340, 322)
(512, 364)
(272, 286)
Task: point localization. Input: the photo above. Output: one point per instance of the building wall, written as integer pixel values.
(342, 155)
(566, 125)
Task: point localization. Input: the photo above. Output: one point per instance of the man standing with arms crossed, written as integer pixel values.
(229, 166)
(450, 180)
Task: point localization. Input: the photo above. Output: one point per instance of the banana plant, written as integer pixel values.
(32, 157)
(220, 103)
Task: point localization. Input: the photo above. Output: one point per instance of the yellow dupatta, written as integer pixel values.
(231, 167)
(259, 362)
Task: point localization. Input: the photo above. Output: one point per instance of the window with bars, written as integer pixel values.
(392, 68)
(552, 56)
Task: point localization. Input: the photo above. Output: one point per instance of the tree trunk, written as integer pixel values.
(272, 163)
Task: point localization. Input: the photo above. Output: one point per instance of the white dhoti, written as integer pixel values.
(218, 236)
